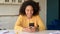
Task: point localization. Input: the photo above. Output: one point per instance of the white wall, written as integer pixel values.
(43, 13)
(43, 7)
(9, 21)
(9, 9)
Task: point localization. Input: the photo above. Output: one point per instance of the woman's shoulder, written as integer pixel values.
(37, 16)
(21, 16)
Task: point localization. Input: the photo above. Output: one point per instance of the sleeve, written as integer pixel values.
(40, 23)
(18, 26)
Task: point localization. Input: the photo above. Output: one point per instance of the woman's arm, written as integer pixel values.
(40, 23)
(18, 26)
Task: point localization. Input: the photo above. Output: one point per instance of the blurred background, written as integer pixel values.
(9, 12)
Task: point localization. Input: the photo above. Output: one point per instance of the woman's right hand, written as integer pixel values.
(27, 29)
(33, 29)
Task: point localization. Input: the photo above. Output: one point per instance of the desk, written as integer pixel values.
(42, 32)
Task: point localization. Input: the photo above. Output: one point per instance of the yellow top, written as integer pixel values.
(22, 21)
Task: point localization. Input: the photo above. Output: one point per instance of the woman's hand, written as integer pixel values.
(29, 29)
(33, 29)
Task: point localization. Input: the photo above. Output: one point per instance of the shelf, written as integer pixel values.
(10, 3)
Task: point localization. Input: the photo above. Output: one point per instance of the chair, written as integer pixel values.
(55, 25)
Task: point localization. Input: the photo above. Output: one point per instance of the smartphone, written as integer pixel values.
(31, 24)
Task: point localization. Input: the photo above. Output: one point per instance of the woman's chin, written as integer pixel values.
(29, 16)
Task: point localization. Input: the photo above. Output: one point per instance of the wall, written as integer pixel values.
(8, 15)
(43, 12)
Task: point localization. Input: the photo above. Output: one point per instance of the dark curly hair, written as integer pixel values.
(35, 6)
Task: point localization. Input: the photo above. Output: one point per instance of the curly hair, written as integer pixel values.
(35, 6)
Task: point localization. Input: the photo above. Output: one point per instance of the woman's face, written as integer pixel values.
(29, 11)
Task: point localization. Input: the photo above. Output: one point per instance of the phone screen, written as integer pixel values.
(31, 24)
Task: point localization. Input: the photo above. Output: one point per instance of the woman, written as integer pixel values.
(29, 13)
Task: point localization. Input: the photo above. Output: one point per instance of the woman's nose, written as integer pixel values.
(29, 11)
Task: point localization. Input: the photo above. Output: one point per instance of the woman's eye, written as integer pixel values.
(27, 10)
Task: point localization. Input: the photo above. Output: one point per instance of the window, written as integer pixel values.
(13, 0)
(6, 0)
(19, 1)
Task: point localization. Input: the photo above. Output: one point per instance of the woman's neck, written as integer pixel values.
(29, 17)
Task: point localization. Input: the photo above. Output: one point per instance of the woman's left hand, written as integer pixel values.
(33, 29)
